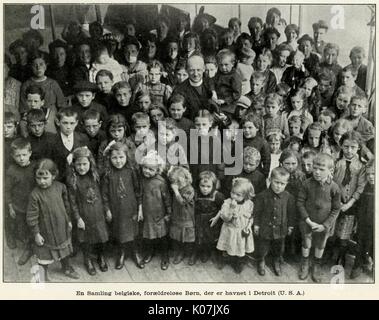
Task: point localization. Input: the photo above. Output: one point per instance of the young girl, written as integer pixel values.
(157, 112)
(339, 129)
(236, 237)
(156, 208)
(181, 73)
(313, 96)
(48, 217)
(349, 174)
(274, 138)
(313, 138)
(182, 229)
(142, 100)
(87, 207)
(208, 202)
(122, 198)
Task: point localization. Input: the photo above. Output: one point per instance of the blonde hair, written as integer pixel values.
(153, 159)
(175, 171)
(245, 186)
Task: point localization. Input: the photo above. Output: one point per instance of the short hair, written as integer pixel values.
(324, 158)
(270, 30)
(169, 124)
(67, 112)
(352, 135)
(294, 119)
(254, 20)
(155, 64)
(152, 158)
(274, 136)
(204, 113)
(345, 90)
(98, 48)
(121, 85)
(270, 14)
(142, 93)
(299, 92)
(350, 69)
(232, 20)
(129, 40)
(225, 53)
(246, 186)
(332, 46)
(357, 50)
(313, 126)
(343, 124)
(255, 119)
(175, 171)
(117, 120)
(57, 44)
(326, 75)
(16, 44)
(181, 65)
(282, 86)
(274, 97)
(210, 59)
(140, 116)
(20, 144)
(104, 73)
(38, 55)
(257, 76)
(242, 37)
(321, 24)
(208, 176)
(308, 154)
(360, 98)
(177, 98)
(46, 165)
(192, 35)
(310, 80)
(291, 27)
(266, 53)
(91, 114)
(280, 172)
(289, 153)
(35, 115)
(34, 34)
(10, 117)
(251, 152)
(159, 106)
(306, 37)
(328, 113)
(34, 89)
(283, 47)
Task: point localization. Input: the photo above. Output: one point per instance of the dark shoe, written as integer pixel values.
(192, 259)
(220, 261)
(164, 264)
(120, 260)
(238, 266)
(277, 268)
(71, 273)
(205, 255)
(304, 268)
(316, 270)
(179, 256)
(102, 263)
(148, 258)
(26, 255)
(261, 268)
(355, 272)
(138, 260)
(11, 242)
(89, 266)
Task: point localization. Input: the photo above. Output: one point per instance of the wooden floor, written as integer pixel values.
(201, 272)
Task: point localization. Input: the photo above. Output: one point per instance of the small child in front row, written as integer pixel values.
(48, 216)
(122, 198)
(318, 203)
(274, 219)
(236, 236)
(87, 207)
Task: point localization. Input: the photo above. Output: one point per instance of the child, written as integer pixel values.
(181, 73)
(176, 110)
(40, 140)
(19, 183)
(156, 208)
(339, 129)
(313, 96)
(227, 40)
(122, 198)
(104, 96)
(92, 125)
(123, 94)
(320, 28)
(85, 93)
(318, 203)
(142, 134)
(274, 138)
(242, 107)
(182, 228)
(312, 60)
(227, 83)
(294, 127)
(251, 126)
(236, 237)
(208, 202)
(257, 83)
(326, 120)
(171, 59)
(340, 106)
(307, 163)
(349, 174)
(292, 33)
(245, 69)
(263, 64)
(358, 106)
(274, 119)
(348, 78)
(157, 113)
(365, 231)
(12, 88)
(313, 138)
(143, 101)
(296, 73)
(10, 133)
(87, 207)
(211, 67)
(274, 219)
(330, 57)
(190, 45)
(326, 83)
(49, 202)
(357, 55)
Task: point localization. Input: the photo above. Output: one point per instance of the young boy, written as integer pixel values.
(10, 133)
(318, 203)
(274, 219)
(358, 106)
(296, 73)
(330, 57)
(85, 93)
(257, 84)
(274, 119)
(104, 96)
(348, 78)
(326, 84)
(177, 109)
(19, 183)
(92, 126)
(41, 141)
(341, 106)
(326, 120)
(245, 68)
(66, 140)
(123, 94)
(307, 163)
(274, 138)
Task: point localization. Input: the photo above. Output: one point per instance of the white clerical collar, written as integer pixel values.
(195, 84)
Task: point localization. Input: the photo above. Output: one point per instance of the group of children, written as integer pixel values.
(93, 151)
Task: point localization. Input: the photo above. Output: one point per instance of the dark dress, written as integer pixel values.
(86, 203)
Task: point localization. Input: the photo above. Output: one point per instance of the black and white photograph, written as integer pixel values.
(189, 143)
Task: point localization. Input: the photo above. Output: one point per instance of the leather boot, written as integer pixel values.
(120, 259)
(316, 270)
(26, 255)
(138, 259)
(102, 263)
(262, 267)
(304, 268)
(89, 265)
(192, 255)
(277, 267)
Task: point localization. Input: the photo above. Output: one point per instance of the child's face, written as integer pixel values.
(338, 133)
(330, 56)
(356, 59)
(342, 101)
(118, 159)
(263, 63)
(44, 179)
(283, 58)
(59, 56)
(274, 145)
(206, 187)
(250, 165)
(297, 103)
(166, 136)
(259, 109)
(82, 166)
(321, 171)
(210, 70)
(272, 108)
(67, 125)
(256, 30)
(272, 40)
(21, 55)
(117, 133)
(348, 79)
(294, 146)
(237, 194)
(149, 170)
(9, 130)
(350, 148)
(39, 67)
(123, 96)
(240, 112)
(144, 103)
(278, 184)
(298, 60)
(308, 165)
(37, 128)
(290, 164)
(22, 157)
(151, 49)
(306, 47)
(156, 115)
(103, 57)
(228, 39)
(370, 175)
(142, 128)
(236, 28)
(203, 125)
(177, 110)
(291, 35)
(249, 130)
(130, 30)
(85, 98)
(33, 101)
(190, 45)
(257, 86)
(131, 53)
(308, 87)
(85, 53)
(226, 64)
(92, 127)
(357, 108)
(173, 50)
(314, 138)
(319, 34)
(181, 75)
(324, 86)
(325, 122)
(155, 75)
(104, 83)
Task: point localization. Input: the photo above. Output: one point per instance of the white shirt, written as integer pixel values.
(68, 141)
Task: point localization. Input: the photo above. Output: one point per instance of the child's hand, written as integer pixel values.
(311, 224)
(347, 206)
(213, 221)
(319, 228)
(167, 218)
(81, 224)
(175, 188)
(39, 240)
(164, 74)
(233, 204)
(140, 214)
(290, 230)
(256, 230)
(69, 226)
(12, 213)
(108, 216)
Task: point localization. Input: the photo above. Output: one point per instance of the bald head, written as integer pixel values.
(195, 68)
